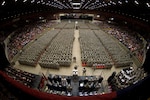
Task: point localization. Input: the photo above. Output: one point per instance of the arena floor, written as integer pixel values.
(105, 73)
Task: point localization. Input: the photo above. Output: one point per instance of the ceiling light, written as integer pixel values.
(126, 1)
(114, 3)
(76, 5)
(32, 1)
(111, 18)
(136, 2)
(119, 2)
(109, 4)
(98, 16)
(3, 3)
(24, 0)
(43, 3)
(38, 2)
(148, 5)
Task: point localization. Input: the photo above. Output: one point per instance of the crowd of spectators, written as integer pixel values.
(65, 85)
(90, 85)
(131, 39)
(59, 84)
(126, 77)
(120, 56)
(32, 53)
(23, 36)
(59, 52)
(21, 76)
(93, 50)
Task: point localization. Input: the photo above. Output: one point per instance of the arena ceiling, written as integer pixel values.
(138, 9)
(16, 13)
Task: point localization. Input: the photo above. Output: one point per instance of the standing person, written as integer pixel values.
(74, 59)
(75, 70)
(84, 71)
(100, 79)
(75, 73)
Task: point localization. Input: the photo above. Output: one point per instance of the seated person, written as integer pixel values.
(86, 80)
(69, 88)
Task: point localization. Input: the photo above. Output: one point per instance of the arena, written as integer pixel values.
(75, 49)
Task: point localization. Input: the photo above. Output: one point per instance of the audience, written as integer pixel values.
(23, 36)
(126, 77)
(21, 76)
(59, 84)
(132, 40)
(88, 85)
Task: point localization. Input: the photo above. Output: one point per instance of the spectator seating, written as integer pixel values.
(59, 84)
(63, 85)
(23, 77)
(31, 55)
(70, 25)
(92, 26)
(97, 51)
(89, 85)
(82, 25)
(92, 50)
(127, 77)
(132, 40)
(23, 36)
(59, 52)
(119, 56)
(60, 25)
(65, 24)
